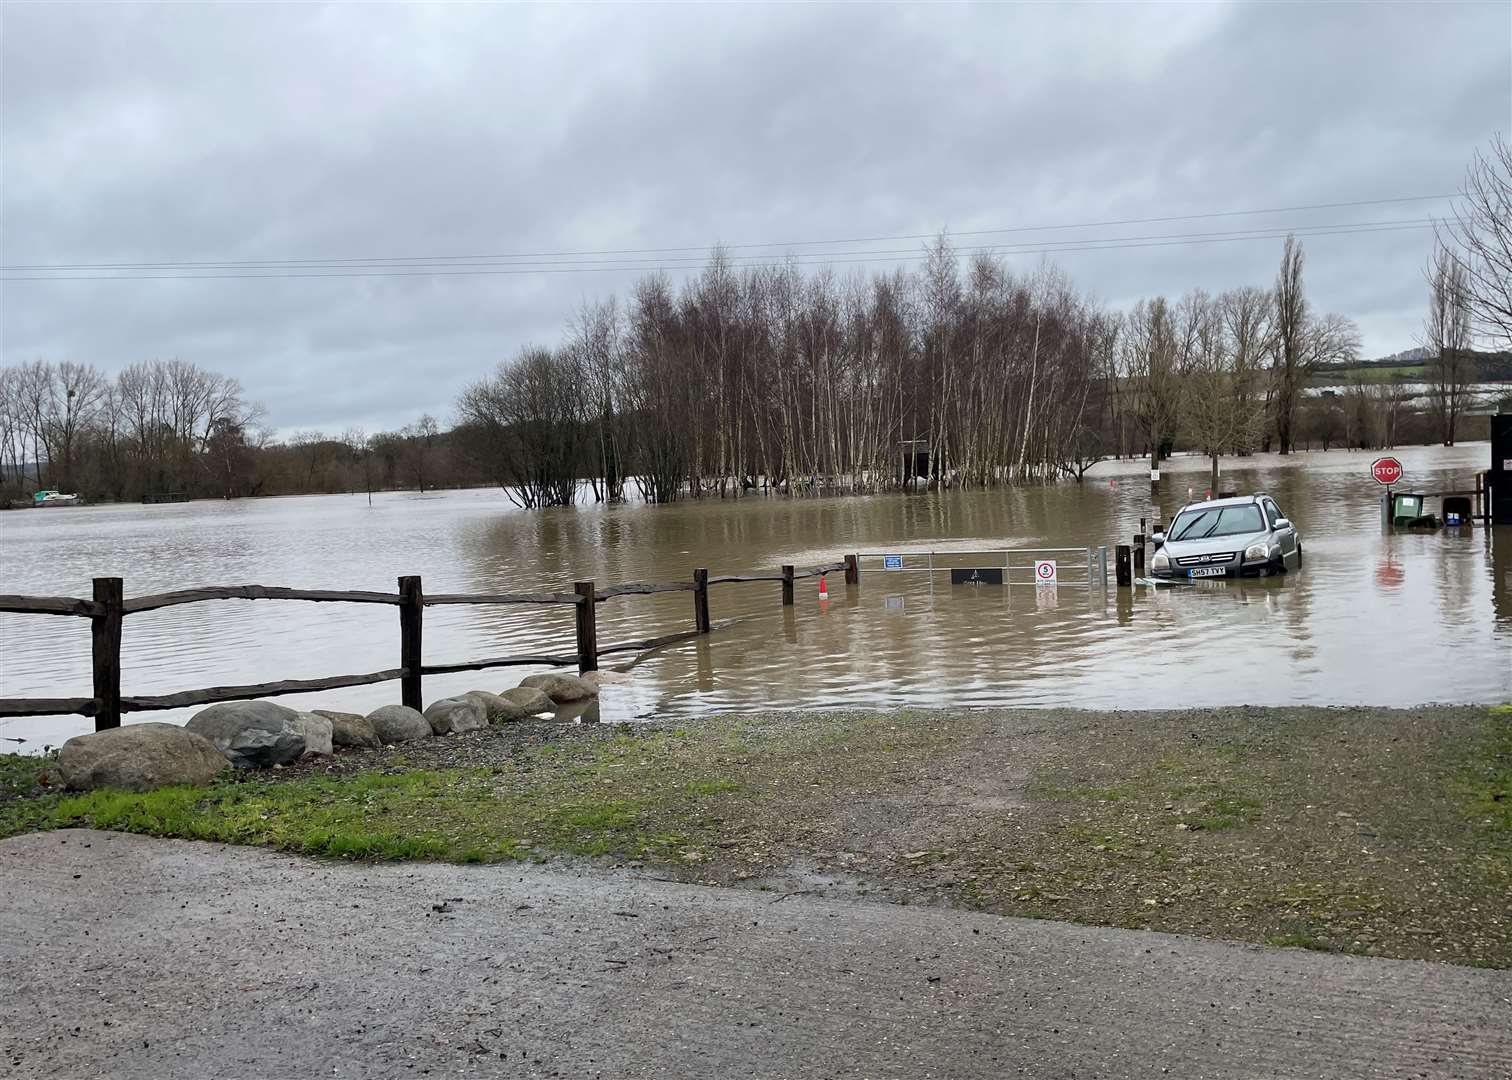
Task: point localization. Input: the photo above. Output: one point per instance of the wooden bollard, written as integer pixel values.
(105, 647)
(587, 627)
(852, 570)
(411, 613)
(701, 600)
(787, 586)
(1122, 566)
(1139, 554)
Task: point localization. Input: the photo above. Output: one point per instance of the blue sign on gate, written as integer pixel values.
(892, 562)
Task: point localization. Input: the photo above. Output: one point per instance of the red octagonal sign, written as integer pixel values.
(1386, 471)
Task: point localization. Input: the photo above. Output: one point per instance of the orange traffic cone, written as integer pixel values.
(823, 588)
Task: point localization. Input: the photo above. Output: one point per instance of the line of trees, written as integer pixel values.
(170, 429)
(158, 427)
(765, 377)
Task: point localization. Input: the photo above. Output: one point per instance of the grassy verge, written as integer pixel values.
(1372, 831)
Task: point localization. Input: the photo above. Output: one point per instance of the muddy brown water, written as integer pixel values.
(1397, 619)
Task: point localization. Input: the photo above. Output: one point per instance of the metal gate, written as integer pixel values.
(1081, 567)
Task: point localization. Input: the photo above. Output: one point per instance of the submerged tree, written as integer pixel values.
(525, 424)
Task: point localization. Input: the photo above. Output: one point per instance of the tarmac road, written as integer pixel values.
(129, 957)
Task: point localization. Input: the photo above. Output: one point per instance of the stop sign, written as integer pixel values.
(1386, 471)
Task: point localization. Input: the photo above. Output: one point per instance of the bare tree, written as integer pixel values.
(1218, 411)
(1301, 342)
(77, 390)
(1150, 356)
(596, 347)
(1249, 323)
(1481, 233)
(418, 447)
(526, 423)
(1446, 336)
(1290, 342)
(360, 446)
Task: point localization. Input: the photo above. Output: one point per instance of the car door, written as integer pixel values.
(1286, 536)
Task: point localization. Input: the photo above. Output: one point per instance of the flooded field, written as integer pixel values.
(1371, 619)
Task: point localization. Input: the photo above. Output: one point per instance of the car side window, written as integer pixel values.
(1272, 514)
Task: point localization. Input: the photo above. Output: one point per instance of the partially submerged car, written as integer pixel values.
(1242, 536)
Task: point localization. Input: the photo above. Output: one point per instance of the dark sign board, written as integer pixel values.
(985, 575)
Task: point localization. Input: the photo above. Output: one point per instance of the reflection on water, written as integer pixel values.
(1395, 619)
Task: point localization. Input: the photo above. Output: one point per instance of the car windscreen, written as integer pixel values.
(1217, 521)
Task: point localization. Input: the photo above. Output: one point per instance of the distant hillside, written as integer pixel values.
(1407, 366)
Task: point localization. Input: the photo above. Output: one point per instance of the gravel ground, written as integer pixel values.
(131, 957)
(1348, 829)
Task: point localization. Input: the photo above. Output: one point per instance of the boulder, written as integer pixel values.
(452, 716)
(599, 678)
(531, 700)
(498, 710)
(561, 688)
(139, 757)
(349, 729)
(252, 734)
(399, 723)
(317, 731)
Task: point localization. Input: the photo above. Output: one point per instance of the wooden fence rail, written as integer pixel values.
(108, 607)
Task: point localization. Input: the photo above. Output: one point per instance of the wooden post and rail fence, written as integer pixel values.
(109, 606)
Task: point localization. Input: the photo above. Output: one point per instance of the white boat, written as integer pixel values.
(54, 498)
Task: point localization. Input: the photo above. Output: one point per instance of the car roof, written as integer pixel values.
(1237, 500)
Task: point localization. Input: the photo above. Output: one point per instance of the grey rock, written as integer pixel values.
(350, 729)
(317, 731)
(533, 701)
(452, 716)
(252, 734)
(139, 757)
(399, 723)
(498, 710)
(561, 688)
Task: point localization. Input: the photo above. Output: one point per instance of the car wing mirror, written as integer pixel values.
(1157, 538)
(1282, 523)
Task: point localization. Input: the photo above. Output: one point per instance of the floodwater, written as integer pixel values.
(1369, 619)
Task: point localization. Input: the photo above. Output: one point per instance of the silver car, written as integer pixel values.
(1243, 536)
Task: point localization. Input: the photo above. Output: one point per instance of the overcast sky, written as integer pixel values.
(200, 133)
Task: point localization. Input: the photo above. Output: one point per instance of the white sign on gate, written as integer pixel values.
(1044, 571)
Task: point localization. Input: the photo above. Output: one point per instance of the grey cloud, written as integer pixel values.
(177, 132)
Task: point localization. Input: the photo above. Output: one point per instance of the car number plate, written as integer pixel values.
(1207, 571)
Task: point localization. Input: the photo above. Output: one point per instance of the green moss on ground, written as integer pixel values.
(21, 776)
(1385, 832)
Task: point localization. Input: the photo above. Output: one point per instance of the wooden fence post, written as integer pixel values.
(587, 628)
(1121, 566)
(411, 613)
(787, 586)
(105, 646)
(1139, 554)
(701, 599)
(852, 570)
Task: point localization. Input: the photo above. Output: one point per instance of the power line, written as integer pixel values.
(1021, 247)
(802, 259)
(250, 263)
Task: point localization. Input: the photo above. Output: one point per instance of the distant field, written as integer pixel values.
(1339, 376)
